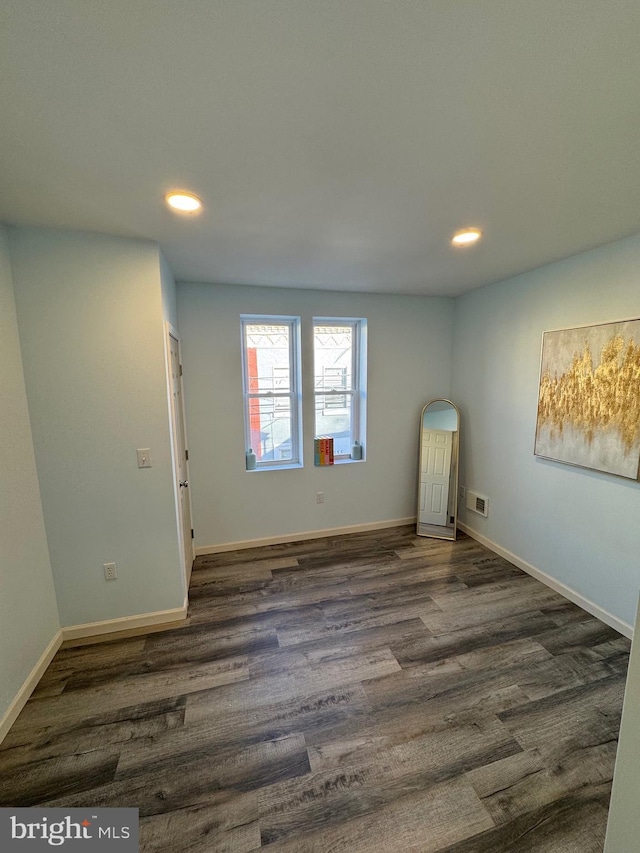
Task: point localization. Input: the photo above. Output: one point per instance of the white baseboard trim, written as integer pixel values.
(75, 632)
(125, 623)
(30, 684)
(586, 604)
(300, 537)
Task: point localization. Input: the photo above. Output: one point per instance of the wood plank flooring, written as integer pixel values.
(370, 692)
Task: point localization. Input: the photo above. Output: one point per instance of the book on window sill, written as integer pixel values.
(323, 451)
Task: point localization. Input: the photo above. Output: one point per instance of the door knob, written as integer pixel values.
(184, 483)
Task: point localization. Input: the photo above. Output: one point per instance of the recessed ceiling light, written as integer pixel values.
(466, 237)
(183, 202)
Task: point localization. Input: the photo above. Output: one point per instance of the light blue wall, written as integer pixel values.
(439, 417)
(169, 297)
(28, 610)
(578, 526)
(409, 362)
(90, 317)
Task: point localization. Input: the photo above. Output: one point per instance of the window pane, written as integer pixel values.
(267, 355)
(270, 428)
(333, 374)
(333, 357)
(271, 361)
(334, 422)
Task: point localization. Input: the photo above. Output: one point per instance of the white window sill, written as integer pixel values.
(294, 465)
(345, 461)
(286, 466)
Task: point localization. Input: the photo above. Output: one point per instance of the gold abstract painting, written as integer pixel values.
(589, 399)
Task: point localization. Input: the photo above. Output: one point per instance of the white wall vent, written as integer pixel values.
(477, 503)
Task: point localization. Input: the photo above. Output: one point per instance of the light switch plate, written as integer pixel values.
(144, 457)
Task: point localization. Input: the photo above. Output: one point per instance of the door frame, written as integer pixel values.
(171, 332)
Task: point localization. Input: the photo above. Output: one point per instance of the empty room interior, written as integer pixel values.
(227, 599)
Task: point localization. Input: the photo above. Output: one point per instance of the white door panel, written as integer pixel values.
(437, 446)
(182, 472)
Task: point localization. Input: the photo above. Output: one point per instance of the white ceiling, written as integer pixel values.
(336, 143)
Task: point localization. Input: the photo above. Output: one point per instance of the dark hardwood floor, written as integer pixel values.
(370, 692)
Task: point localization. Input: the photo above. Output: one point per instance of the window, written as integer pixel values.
(272, 386)
(339, 366)
(271, 383)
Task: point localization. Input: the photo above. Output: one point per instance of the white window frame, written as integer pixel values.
(358, 391)
(293, 395)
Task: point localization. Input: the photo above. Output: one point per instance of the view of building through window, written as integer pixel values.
(335, 384)
(270, 391)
